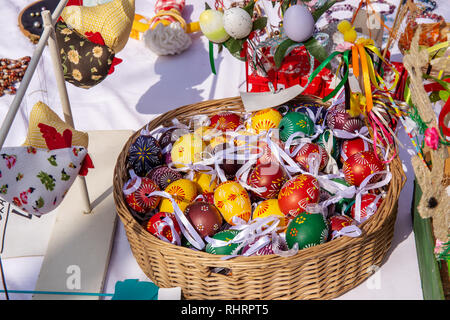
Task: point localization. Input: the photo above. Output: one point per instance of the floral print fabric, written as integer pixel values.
(85, 64)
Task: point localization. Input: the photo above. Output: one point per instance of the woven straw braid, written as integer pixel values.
(321, 272)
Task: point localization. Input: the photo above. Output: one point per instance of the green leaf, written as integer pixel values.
(320, 11)
(234, 45)
(281, 51)
(259, 23)
(316, 50)
(249, 8)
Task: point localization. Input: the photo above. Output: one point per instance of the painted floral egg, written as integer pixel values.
(315, 111)
(298, 23)
(159, 227)
(204, 217)
(329, 141)
(183, 192)
(360, 165)
(232, 200)
(170, 136)
(265, 250)
(205, 182)
(307, 229)
(337, 222)
(294, 122)
(144, 154)
(308, 148)
(163, 176)
(270, 176)
(137, 191)
(267, 208)
(226, 121)
(369, 205)
(226, 236)
(229, 165)
(237, 22)
(297, 193)
(265, 119)
(211, 24)
(268, 156)
(338, 118)
(352, 146)
(187, 150)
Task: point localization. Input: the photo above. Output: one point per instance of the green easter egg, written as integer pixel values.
(225, 235)
(294, 122)
(323, 139)
(307, 229)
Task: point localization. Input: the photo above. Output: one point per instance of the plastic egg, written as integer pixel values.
(232, 200)
(211, 24)
(265, 119)
(183, 192)
(237, 22)
(187, 149)
(298, 23)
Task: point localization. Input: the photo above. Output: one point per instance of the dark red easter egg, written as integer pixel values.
(337, 222)
(204, 217)
(338, 118)
(229, 166)
(225, 121)
(136, 192)
(270, 176)
(352, 146)
(163, 176)
(368, 207)
(297, 193)
(158, 225)
(308, 148)
(360, 165)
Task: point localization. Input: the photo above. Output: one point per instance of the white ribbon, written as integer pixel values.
(167, 221)
(352, 231)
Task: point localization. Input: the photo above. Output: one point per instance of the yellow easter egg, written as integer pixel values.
(232, 200)
(244, 139)
(204, 183)
(207, 133)
(187, 149)
(266, 119)
(183, 192)
(218, 140)
(267, 208)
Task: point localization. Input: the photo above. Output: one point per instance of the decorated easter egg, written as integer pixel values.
(315, 111)
(228, 164)
(205, 182)
(343, 205)
(329, 142)
(204, 217)
(159, 226)
(225, 236)
(211, 25)
(187, 150)
(265, 119)
(237, 22)
(308, 148)
(307, 229)
(218, 143)
(283, 109)
(266, 249)
(267, 208)
(294, 122)
(270, 176)
(244, 137)
(206, 197)
(232, 200)
(369, 204)
(337, 222)
(225, 121)
(339, 118)
(352, 146)
(137, 191)
(298, 23)
(169, 136)
(360, 165)
(183, 192)
(297, 193)
(163, 176)
(268, 156)
(144, 154)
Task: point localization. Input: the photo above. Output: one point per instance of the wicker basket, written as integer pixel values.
(321, 272)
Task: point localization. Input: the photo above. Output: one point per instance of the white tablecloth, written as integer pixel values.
(145, 85)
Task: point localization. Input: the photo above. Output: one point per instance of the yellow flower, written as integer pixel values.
(73, 56)
(66, 31)
(94, 77)
(97, 51)
(76, 74)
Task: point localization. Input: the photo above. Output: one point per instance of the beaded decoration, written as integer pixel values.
(12, 72)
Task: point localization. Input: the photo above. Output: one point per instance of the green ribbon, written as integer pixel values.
(211, 57)
(345, 56)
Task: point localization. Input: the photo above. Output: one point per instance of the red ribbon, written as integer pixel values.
(444, 112)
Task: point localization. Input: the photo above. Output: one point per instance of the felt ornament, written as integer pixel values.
(85, 59)
(36, 180)
(113, 20)
(41, 113)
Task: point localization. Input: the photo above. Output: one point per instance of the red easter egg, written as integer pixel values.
(159, 227)
(204, 217)
(360, 165)
(267, 154)
(297, 193)
(368, 207)
(337, 222)
(137, 190)
(271, 176)
(352, 146)
(225, 121)
(302, 155)
(338, 118)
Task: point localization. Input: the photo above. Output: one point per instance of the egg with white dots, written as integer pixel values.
(237, 22)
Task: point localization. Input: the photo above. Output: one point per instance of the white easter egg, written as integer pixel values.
(298, 23)
(211, 24)
(237, 22)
